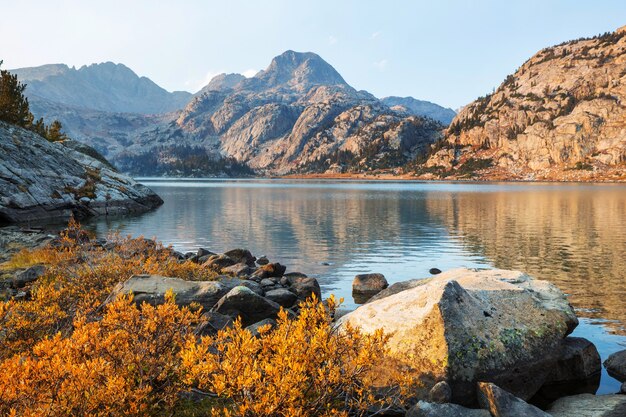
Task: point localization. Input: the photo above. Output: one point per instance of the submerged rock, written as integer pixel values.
(577, 371)
(364, 286)
(588, 405)
(465, 326)
(615, 365)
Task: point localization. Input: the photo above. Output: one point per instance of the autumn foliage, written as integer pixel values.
(65, 353)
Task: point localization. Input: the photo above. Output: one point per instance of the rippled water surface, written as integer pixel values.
(573, 235)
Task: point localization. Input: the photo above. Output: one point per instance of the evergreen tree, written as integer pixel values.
(54, 133)
(13, 104)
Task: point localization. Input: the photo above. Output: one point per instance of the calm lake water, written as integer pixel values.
(573, 235)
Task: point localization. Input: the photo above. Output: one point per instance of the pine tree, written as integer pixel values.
(54, 133)
(13, 104)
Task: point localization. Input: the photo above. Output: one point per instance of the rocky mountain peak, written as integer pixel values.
(223, 82)
(299, 70)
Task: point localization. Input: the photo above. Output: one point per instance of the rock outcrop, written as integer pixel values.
(465, 326)
(615, 364)
(560, 116)
(40, 180)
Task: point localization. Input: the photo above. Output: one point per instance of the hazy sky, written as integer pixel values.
(448, 52)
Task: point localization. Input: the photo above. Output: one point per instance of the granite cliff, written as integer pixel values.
(40, 180)
(560, 116)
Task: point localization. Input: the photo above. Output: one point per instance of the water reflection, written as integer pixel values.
(572, 235)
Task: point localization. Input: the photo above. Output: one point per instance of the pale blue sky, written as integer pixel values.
(448, 52)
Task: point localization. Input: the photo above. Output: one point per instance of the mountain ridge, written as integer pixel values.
(560, 116)
(105, 87)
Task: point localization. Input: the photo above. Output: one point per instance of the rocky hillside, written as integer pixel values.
(417, 107)
(297, 116)
(560, 116)
(40, 180)
(105, 87)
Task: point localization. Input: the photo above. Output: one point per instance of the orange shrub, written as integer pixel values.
(125, 364)
(79, 277)
(304, 367)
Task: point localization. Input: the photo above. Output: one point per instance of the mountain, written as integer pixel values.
(104, 87)
(560, 116)
(417, 107)
(296, 116)
(40, 180)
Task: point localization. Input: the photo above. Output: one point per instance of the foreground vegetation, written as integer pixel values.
(65, 351)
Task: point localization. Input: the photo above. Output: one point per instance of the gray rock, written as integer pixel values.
(465, 326)
(577, 371)
(501, 403)
(251, 307)
(28, 276)
(615, 365)
(369, 283)
(622, 389)
(588, 405)
(440, 393)
(262, 260)
(152, 289)
(241, 256)
(304, 287)
(254, 328)
(266, 282)
(425, 409)
(282, 296)
(44, 180)
(204, 252)
(211, 323)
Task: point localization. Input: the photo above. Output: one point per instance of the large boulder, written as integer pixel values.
(465, 326)
(282, 296)
(615, 365)
(589, 405)
(304, 287)
(152, 289)
(241, 256)
(251, 307)
(501, 403)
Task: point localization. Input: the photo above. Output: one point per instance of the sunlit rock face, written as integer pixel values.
(465, 326)
(559, 116)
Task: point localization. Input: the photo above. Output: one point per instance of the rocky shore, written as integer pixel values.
(482, 342)
(40, 180)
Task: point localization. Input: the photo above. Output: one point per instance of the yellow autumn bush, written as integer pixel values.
(64, 353)
(126, 364)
